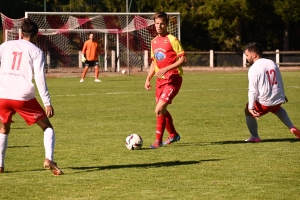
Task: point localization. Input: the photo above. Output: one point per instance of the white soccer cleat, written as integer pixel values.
(97, 80)
(81, 80)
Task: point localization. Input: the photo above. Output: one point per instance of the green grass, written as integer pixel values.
(210, 162)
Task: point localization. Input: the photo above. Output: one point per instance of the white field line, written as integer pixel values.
(117, 93)
(73, 95)
(126, 92)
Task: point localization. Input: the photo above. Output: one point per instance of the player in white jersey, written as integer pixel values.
(21, 61)
(266, 92)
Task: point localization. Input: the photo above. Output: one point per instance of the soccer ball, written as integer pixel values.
(123, 71)
(134, 142)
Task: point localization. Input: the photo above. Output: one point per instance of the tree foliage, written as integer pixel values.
(205, 24)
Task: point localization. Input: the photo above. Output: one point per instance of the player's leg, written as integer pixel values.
(86, 68)
(4, 131)
(252, 126)
(170, 125)
(173, 135)
(283, 116)
(49, 144)
(97, 72)
(170, 92)
(251, 121)
(160, 111)
(32, 112)
(6, 113)
(49, 137)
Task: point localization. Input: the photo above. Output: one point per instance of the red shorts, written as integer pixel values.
(262, 110)
(30, 110)
(167, 91)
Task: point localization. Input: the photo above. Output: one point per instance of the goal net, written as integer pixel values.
(124, 38)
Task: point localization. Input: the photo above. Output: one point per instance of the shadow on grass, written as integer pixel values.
(263, 141)
(14, 147)
(148, 165)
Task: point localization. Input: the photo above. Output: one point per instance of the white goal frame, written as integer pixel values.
(115, 55)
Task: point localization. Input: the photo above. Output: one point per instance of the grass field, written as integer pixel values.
(211, 161)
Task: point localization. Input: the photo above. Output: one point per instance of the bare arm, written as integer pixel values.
(178, 63)
(151, 73)
(49, 111)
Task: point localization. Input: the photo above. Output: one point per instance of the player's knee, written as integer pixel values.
(157, 112)
(4, 129)
(160, 111)
(44, 123)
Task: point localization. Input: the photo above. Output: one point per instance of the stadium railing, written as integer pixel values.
(237, 59)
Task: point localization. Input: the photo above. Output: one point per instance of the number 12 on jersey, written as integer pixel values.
(272, 77)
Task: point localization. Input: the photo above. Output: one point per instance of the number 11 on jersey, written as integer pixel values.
(17, 57)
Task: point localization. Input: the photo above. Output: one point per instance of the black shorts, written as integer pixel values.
(91, 63)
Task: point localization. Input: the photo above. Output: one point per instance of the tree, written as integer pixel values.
(223, 20)
(289, 11)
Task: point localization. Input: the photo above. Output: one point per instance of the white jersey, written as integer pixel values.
(265, 84)
(20, 61)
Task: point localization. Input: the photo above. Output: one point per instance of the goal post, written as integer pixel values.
(124, 38)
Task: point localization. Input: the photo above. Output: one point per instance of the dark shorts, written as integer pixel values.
(91, 63)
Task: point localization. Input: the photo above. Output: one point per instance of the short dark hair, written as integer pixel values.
(254, 47)
(164, 16)
(29, 28)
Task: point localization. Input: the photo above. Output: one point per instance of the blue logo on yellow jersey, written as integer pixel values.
(159, 55)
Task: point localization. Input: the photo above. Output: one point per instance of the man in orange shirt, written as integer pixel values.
(90, 51)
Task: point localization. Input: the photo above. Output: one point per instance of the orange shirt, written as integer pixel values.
(91, 49)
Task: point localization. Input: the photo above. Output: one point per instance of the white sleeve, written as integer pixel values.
(40, 79)
(279, 79)
(252, 87)
(1, 52)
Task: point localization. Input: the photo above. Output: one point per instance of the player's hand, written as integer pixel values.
(49, 111)
(161, 72)
(286, 99)
(148, 85)
(254, 113)
(83, 59)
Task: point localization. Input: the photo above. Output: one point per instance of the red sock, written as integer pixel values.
(170, 126)
(160, 126)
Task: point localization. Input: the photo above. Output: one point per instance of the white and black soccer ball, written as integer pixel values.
(123, 71)
(134, 142)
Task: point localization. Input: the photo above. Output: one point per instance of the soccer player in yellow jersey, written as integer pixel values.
(91, 50)
(167, 57)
